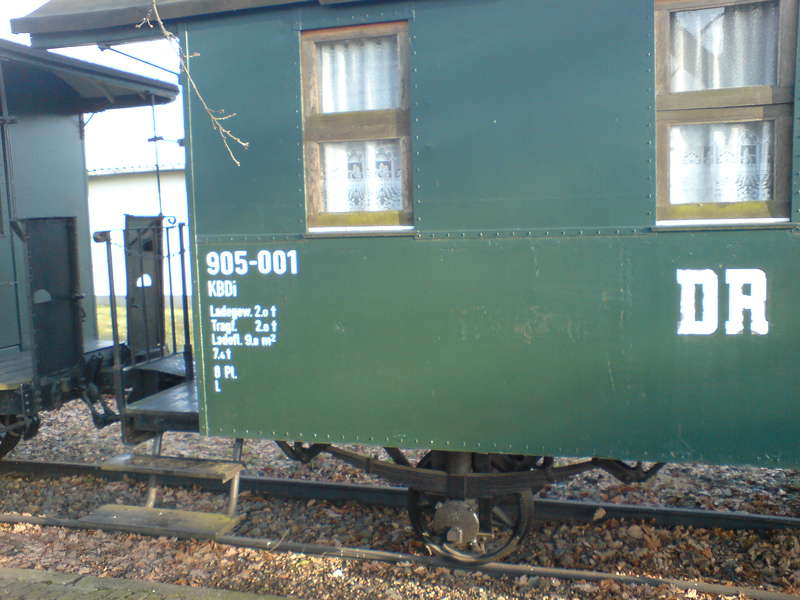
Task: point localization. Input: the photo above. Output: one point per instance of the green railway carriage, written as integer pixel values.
(48, 333)
(517, 228)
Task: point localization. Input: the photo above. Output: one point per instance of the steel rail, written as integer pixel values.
(544, 509)
(364, 554)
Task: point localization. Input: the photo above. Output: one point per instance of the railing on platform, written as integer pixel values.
(155, 253)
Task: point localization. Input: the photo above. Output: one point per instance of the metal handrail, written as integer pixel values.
(168, 229)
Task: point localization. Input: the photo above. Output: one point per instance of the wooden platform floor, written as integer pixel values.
(174, 466)
(160, 521)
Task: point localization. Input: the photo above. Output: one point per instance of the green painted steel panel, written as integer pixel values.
(794, 200)
(264, 194)
(532, 114)
(53, 144)
(531, 126)
(549, 344)
(9, 323)
(9, 317)
(563, 346)
(316, 17)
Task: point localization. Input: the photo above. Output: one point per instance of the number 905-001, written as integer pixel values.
(239, 262)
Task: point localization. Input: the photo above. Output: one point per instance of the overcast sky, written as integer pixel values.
(118, 138)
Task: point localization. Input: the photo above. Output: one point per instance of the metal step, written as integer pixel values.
(172, 409)
(199, 468)
(179, 401)
(160, 521)
(172, 364)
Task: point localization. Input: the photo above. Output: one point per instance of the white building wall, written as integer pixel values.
(111, 197)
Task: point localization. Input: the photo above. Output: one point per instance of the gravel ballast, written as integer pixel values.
(769, 560)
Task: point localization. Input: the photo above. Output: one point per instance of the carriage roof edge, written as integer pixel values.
(59, 23)
(97, 87)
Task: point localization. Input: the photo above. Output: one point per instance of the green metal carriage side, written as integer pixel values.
(534, 306)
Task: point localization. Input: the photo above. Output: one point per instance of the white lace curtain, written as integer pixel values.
(727, 47)
(362, 176)
(726, 162)
(731, 46)
(359, 74)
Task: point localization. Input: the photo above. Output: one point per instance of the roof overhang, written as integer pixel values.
(96, 87)
(72, 22)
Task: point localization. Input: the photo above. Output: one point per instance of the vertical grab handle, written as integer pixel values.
(187, 340)
(105, 236)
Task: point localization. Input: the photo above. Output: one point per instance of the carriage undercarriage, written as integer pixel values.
(468, 506)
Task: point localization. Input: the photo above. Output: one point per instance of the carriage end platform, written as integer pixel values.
(16, 366)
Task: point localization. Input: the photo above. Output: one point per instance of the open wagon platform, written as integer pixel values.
(152, 371)
(16, 367)
(49, 348)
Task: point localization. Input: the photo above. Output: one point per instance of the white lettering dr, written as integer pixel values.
(754, 301)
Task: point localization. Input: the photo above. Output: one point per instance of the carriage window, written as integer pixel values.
(725, 162)
(356, 128)
(726, 47)
(724, 77)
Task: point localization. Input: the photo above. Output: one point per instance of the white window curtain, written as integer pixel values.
(359, 74)
(362, 176)
(726, 47)
(721, 162)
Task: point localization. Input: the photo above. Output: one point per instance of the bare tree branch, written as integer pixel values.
(215, 115)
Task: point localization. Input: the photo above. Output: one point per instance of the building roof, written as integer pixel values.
(96, 87)
(62, 22)
(137, 169)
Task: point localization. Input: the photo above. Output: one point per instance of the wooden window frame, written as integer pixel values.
(353, 126)
(726, 105)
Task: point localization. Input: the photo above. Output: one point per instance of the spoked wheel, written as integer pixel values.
(472, 531)
(8, 441)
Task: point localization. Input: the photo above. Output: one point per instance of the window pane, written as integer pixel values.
(362, 176)
(721, 162)
(731, 46)
(359, 74)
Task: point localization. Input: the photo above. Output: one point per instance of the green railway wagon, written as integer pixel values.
(501, 231)
(49, 347)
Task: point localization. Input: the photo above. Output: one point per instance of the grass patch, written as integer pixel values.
(104, 331)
